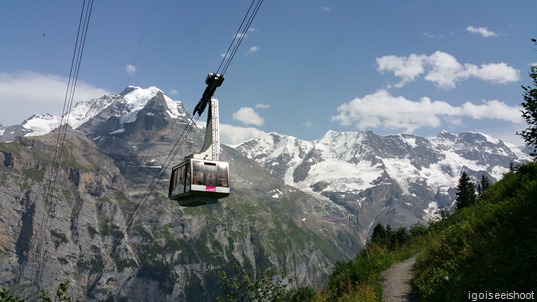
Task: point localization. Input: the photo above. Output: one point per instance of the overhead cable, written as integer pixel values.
(142, 40)
(241, 33)
(145, 197)
(76, 61)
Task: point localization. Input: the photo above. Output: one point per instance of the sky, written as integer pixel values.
(305, 66)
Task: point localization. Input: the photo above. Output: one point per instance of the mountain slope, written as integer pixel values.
(169, 252)
(396, 179)
(489, 247)
(295, 204)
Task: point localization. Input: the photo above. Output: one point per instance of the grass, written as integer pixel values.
(9, 147)
(360, 279)
(491, 246)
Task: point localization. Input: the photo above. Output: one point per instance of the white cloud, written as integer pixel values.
(444, 70)
(407, 68)
(173, 92)
(382, 110)
(307, 124)
(496, 73)
(485, 32)
(233, 135)
(240, 35)
(262, 106)
(433, 36)
(493, 109)
(244, 35)
(28, 93)
(130, 69)
(252, 50)
(327, 9)
(248, 116)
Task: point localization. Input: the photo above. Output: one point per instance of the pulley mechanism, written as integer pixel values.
(213, 81)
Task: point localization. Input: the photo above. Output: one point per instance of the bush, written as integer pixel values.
(270, 285)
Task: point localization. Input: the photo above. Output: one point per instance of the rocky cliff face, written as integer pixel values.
(102, 229)
(49, 236)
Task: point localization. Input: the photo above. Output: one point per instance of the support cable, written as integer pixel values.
(242, 31)
(224, 65)
(145, 197)
(83, 26)
(142, 40)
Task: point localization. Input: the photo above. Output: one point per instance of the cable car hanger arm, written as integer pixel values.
(213, 81)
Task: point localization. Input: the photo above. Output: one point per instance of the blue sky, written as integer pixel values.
(306, 66)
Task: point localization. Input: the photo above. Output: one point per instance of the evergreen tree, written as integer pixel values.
(512, 167)
(399, 237)
(529, 112)
(379, 234)
(483, 186)
(465, 192)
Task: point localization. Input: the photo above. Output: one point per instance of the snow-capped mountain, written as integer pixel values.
(126, 107)
(35, 125)
(169, 253)
(301, 205)
(416, 174)
(419, 173)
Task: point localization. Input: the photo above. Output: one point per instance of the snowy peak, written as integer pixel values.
(344, 146)
(137, 98)
(125, 106)
(412, 173)
(41, 124)
(277, 153)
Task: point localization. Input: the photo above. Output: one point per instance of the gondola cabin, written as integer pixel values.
(198, 182)
(202, 179)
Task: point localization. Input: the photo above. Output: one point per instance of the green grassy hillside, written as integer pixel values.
(488, 248)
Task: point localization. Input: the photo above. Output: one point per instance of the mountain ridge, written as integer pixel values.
(363, 159)
(169, 253)
(301, 205)
(342, 166)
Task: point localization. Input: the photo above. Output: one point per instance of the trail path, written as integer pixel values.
(397, 285)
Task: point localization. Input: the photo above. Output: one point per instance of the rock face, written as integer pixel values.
(105, 222)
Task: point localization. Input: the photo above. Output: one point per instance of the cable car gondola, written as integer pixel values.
(197, 182)
(201, 179)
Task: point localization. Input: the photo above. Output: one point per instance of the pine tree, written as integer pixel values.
(379, 233)
(465, 192)
(483, 186)
(529, 112)
(512, 167)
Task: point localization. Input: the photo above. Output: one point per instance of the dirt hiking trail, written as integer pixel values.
(397, 284)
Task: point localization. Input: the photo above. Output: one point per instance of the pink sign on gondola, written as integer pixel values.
(210, 188)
